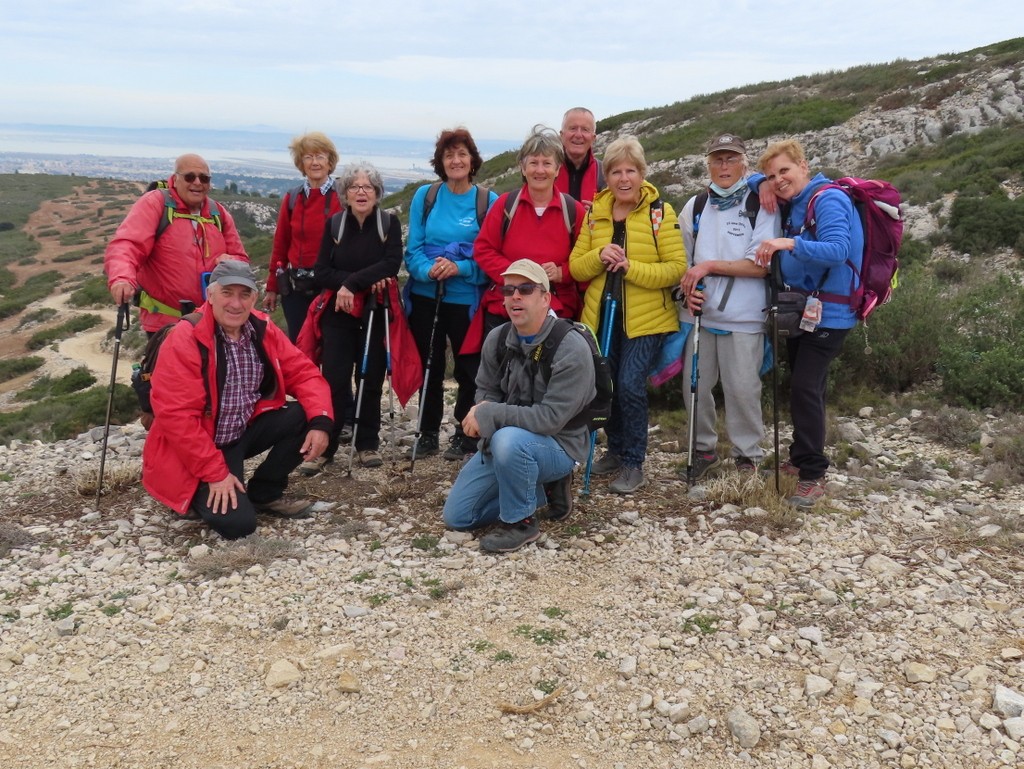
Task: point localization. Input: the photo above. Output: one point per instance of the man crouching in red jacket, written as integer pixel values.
(218, 398)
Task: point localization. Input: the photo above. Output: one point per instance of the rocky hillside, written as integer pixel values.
(665, 630)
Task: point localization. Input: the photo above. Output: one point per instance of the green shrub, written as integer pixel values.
(15, 367)
(65, 416)
(92, 292)
(982, 225)
(981, 356)
(40, 315)
(47, 387)
(73, 326)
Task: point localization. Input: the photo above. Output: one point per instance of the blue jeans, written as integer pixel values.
(506, 482)
(630, 361)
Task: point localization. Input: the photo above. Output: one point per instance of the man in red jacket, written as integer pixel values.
(166, 244)
(218, 399)
(580, 174)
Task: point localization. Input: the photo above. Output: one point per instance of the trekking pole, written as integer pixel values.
(694, 379)
(371, 309)
(387, 367)
(123, 322)
(438, 298)
(774, 309)
(609, 304)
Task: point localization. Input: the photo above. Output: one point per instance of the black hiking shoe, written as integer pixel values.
(428, 445)
(559, 495)
(509, 537)
(459, 447)
(703, 464)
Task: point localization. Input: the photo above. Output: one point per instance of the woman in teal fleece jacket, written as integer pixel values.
(822, 258)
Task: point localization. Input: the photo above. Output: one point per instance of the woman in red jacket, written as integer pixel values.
(300, 226)
(536, 222)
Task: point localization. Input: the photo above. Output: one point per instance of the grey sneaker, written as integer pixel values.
(606, 465)
(630, 479)
(369, 458)
(559, 495)
(508, 537)
(703, 463)
(313, 466)
(286, 508)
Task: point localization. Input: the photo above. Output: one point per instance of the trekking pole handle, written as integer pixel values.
(699, 311)
(123, 319)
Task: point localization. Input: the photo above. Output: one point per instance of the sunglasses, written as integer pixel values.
(191, 177)
(524, 289)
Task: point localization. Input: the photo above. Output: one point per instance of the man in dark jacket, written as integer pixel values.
(218, 398)
(521, 420)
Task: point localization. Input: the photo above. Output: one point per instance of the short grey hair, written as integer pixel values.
(348, 175)
(542, 141)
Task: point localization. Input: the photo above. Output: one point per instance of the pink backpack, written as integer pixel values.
(878, 205)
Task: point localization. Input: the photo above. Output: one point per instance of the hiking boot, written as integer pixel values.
(807, 493)
(313, 466)
(630, 479)
(345, 436)
(786, 468)
(427, 445)
(745, 465)
(606, 465)
(459, 447)
(559, 495)
(508, 537)
(703, 463)
(369, 458)
(286, 508)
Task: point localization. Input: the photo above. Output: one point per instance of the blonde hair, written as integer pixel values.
(625, 149)
(788, 147)
(311, 143)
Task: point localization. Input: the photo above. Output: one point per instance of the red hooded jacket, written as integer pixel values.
(179, 452)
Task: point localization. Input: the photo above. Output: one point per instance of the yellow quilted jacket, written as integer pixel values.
(655, 267)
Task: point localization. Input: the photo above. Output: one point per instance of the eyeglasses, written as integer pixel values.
(319, 156)
(361, 188)
(191, 177)
(726, 161)
(524, 289)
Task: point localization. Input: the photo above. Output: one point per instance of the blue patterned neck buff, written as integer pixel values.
(724, 199)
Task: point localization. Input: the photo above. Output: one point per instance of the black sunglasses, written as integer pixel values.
(524, 289)
(191, 177)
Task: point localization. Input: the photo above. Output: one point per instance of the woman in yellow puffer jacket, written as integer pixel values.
(632, 246)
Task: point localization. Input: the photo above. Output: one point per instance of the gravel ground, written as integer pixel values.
(669, 629)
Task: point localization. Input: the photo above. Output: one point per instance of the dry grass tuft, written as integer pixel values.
(119, 477)
(244, 554)
(755, 493)
(12, 536)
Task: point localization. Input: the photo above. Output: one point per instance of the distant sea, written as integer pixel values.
(255, 160)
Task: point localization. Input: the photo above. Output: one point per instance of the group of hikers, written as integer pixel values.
(490, 276)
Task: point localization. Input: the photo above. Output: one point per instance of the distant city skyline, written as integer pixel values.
(350, 70)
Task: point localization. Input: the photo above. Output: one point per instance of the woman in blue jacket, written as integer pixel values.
(444, 219)
(823, 259)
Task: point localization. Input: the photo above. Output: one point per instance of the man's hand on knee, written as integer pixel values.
(224, 495)
(314, 445)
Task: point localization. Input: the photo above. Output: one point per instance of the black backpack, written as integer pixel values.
(595, 414)
(483, 200)
(142, 372)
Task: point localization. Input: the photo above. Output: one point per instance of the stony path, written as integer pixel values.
(885, 629)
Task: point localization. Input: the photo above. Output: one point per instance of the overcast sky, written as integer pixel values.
(408, 69)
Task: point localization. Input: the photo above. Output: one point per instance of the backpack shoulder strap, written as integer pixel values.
(657, 215)
(600, 175)
(430, 199)
(483, 197)
(698, 208)
(338, 225)
(204, 361)
(561, 327)
(215, 214)
(383, 224)
(569, 216)
(753, 207)
(511, 205)
(167, 215)
(293, 196)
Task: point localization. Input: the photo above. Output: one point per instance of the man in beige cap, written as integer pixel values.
(522, 418)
